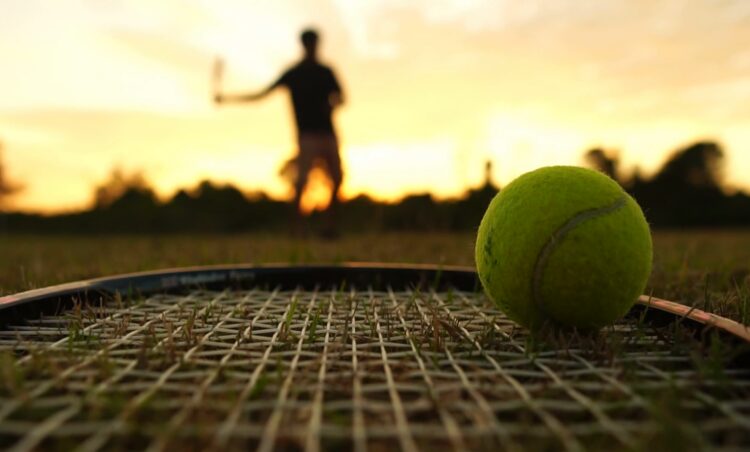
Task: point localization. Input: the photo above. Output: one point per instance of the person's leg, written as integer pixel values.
(330, 153)
(305, 157)
(307, 150)
(333, 164)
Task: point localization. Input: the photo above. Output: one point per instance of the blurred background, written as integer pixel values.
(107, 122)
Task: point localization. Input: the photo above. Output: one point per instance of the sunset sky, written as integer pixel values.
(434, 89)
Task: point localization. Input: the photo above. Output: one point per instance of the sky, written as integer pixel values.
(433, 88)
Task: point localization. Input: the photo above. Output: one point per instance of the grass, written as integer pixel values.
(706, 269)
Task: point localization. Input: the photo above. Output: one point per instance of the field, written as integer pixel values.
(706, 269)
(360, 368)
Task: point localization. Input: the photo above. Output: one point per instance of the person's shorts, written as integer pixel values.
(315, 148)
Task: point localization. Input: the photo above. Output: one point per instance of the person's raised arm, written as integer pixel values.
(251, 97)
(220, 98)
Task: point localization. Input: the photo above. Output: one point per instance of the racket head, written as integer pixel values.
(217, 76)
(357, 274)
(430, 327)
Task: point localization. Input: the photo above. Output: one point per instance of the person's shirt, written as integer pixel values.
(311, 85)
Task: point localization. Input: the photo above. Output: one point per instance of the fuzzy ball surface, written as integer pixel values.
(564, 245)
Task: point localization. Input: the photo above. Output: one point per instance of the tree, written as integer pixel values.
(698, 166)
(598, 159)
(120, 185)
(688, 190)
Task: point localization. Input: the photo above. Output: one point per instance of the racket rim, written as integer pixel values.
(461, 277)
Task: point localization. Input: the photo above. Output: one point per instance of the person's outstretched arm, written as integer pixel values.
(220, 98)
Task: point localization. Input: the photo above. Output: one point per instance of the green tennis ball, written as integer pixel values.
(566, 246)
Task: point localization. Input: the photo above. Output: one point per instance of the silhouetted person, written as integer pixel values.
(315, 93)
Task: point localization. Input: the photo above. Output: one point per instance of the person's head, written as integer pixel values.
(309, 38)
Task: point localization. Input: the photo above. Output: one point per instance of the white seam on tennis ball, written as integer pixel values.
(558, 236)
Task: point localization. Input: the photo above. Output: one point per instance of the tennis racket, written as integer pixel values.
(362, 357)
(217, 77)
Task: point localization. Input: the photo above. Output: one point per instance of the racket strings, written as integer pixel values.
(357, 369)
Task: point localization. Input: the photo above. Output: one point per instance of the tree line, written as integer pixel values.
(687, 191)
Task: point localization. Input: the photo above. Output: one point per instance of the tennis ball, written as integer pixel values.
(566, 246)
